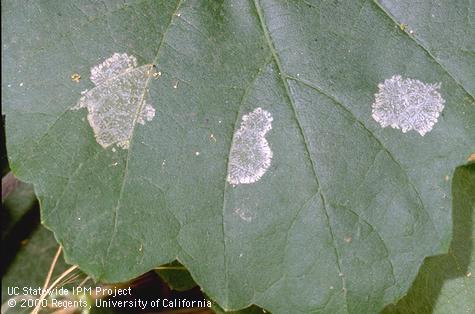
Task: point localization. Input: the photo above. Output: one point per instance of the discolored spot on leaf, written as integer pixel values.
(244, 214)
(407, 104)
(118, 101)
(250, 155)
(75, 77)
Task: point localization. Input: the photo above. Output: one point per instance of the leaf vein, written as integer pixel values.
(126, 169)
(227, 162)
(291, 101)
(426, 50)
(378, 141)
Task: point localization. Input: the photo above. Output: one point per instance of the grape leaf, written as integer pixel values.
(345, 210)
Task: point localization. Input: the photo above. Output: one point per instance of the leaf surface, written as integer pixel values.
(446, 283)
(346, 211)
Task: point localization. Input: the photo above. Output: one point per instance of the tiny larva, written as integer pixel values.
(250, 155)
(114, 102)
(407, 104)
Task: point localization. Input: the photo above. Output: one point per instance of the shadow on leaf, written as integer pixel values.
(444, 283)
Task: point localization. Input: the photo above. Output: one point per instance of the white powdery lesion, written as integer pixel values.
(407, 104)
(250, 154)
(117, 102)
(111, 67)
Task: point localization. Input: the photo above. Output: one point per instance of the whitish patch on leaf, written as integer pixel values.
(244, 214)
(250, 154)
(407, 104)
(118, 101)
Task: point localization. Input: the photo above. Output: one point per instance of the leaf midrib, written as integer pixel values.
(314, 168)
(225, 189)
(131, 138)
(378, 141)
(284, 77)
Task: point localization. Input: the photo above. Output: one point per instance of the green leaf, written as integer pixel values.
(341, 217)
(176, 276)
(445, 283)
(19, 219)
(250, 310)
(449, 39)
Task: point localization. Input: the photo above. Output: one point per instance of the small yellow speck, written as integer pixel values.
(157, 74)
(403, 26)
(75, 77)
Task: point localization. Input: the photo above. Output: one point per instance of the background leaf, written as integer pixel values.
(346, 212)
(16, 205)
(176, 276)
(32, 262)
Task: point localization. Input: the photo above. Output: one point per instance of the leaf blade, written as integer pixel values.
(319, 92)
